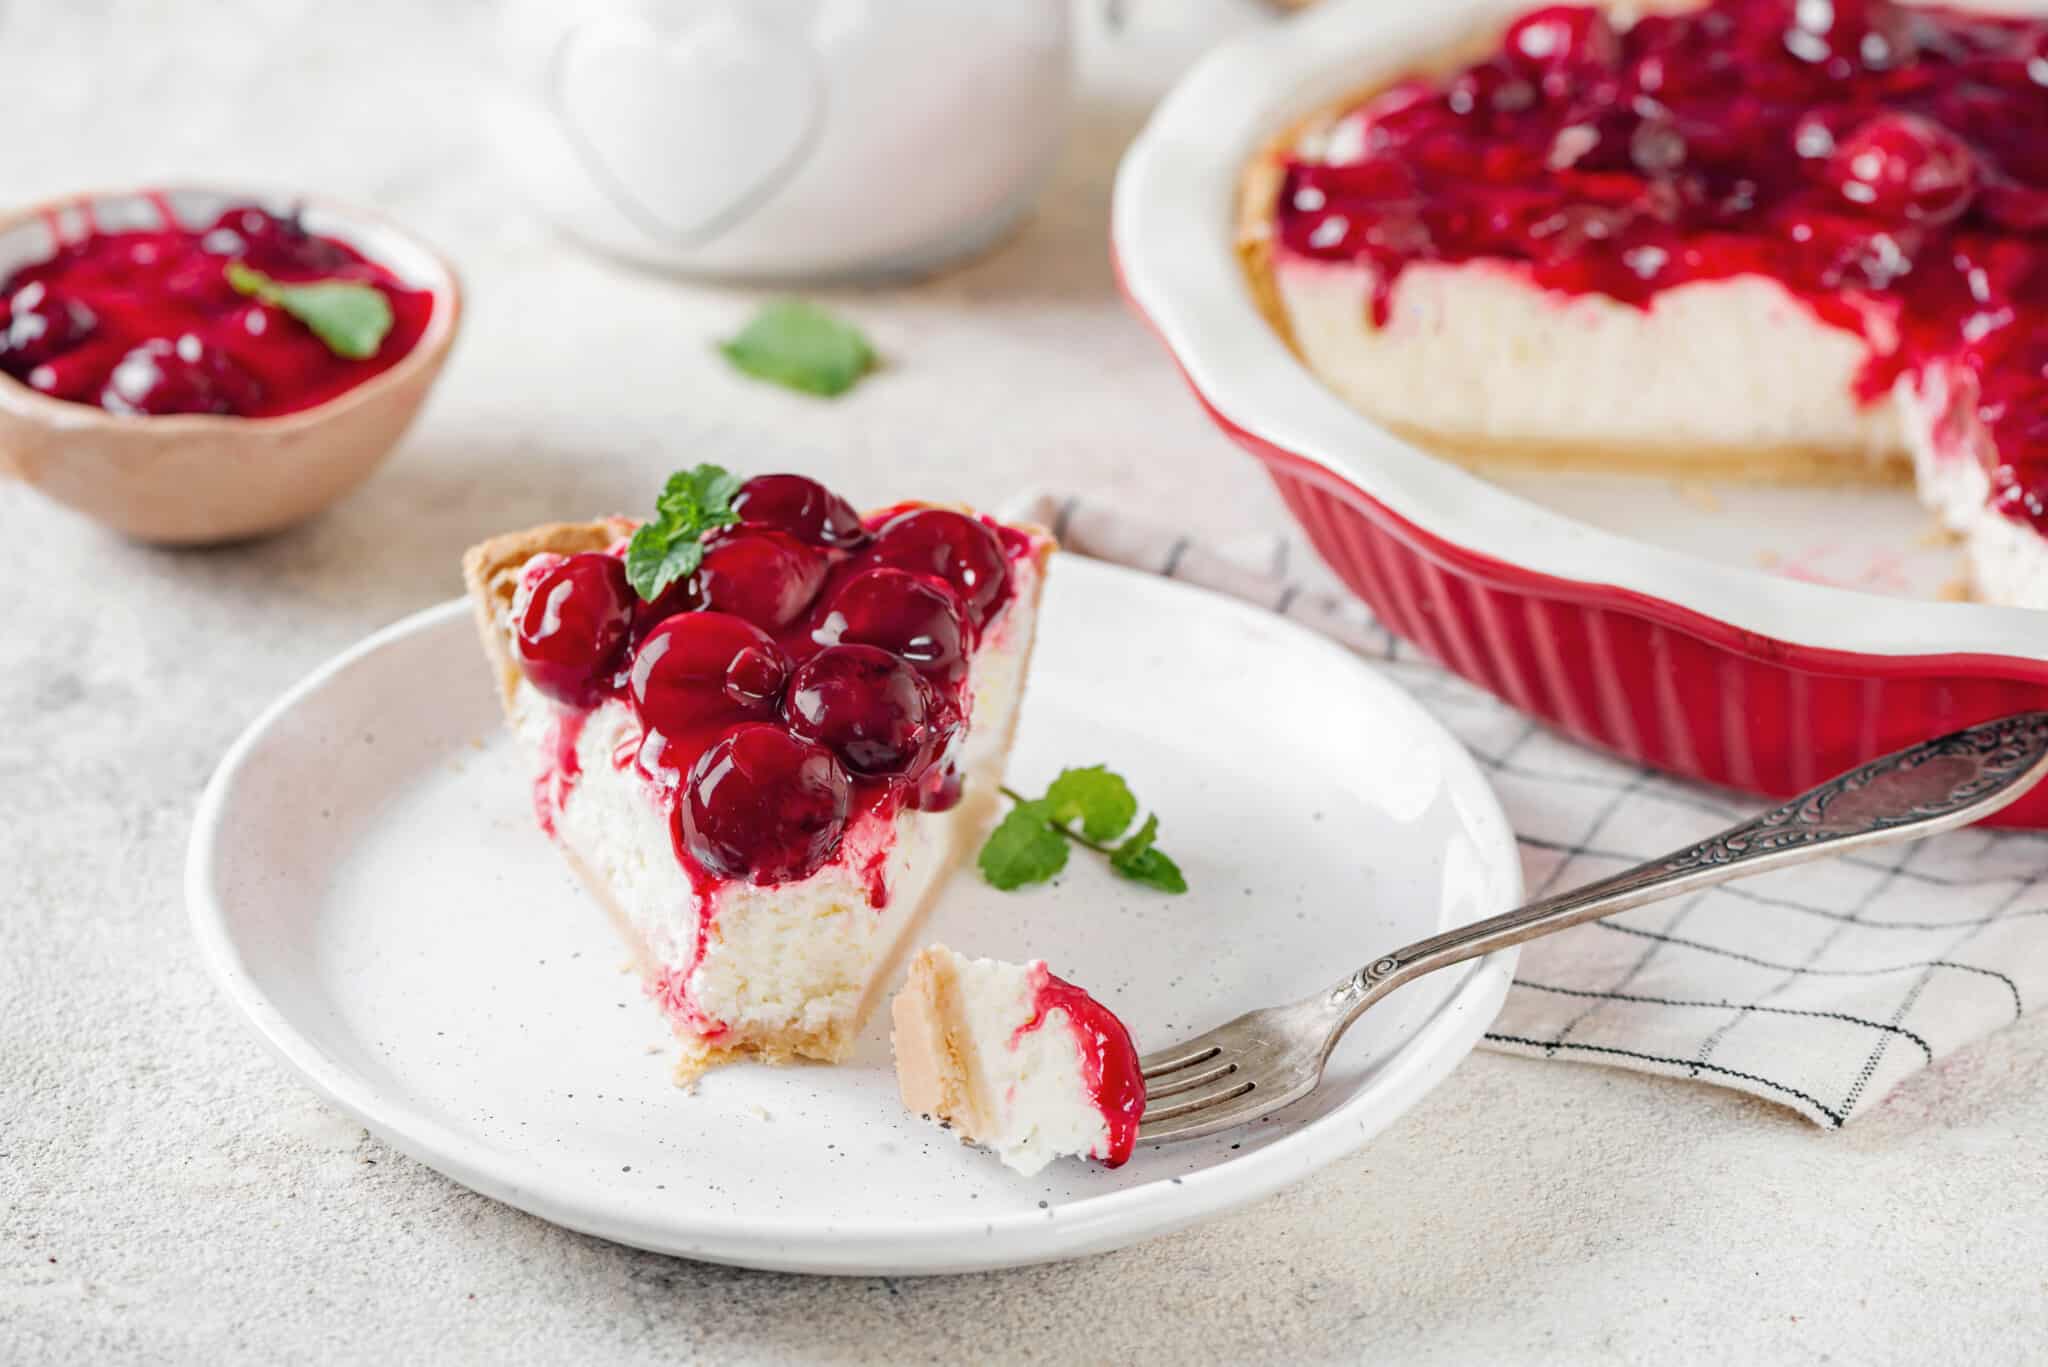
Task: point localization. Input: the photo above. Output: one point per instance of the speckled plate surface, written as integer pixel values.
(368, 886)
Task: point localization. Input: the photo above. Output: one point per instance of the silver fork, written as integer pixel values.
(1268, 1059)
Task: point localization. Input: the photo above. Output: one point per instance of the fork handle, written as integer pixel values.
(1934, 786)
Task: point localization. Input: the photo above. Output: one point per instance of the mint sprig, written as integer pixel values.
(802, 347)
(352, 318)
(1023, 848)
(1033, 840)
(670, 545)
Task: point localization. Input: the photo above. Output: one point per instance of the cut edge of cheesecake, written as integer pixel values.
(1258, 191)
(490, 571)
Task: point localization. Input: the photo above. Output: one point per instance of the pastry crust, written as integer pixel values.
(935, 1062)
(490, 572)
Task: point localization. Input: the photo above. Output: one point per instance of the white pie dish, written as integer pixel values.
(404, 939)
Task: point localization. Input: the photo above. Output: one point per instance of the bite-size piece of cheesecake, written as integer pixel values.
(1751, 238)
(766, 772)
(1018, 1061)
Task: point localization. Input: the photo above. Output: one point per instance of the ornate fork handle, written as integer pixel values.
(1919, 791)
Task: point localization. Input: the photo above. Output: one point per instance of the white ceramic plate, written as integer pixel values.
(368, 885)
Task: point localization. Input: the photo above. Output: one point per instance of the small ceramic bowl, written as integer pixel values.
(190, 479)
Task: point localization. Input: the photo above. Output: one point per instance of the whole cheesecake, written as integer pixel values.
(766, 771)
(1775, 239)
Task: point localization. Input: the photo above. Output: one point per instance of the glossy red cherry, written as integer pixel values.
(2021, 208)
(272, 242)
(40, 324)
(1560, 45)
(764, 805)
(186, 375)
(1490, 88)
(703, 669)
(200, 280)
(866, 705)
(903, 613)
(79, 374)
(803, 508)
(680, 596)
(765, 576)
(957, 548)
(1845, 35)
(1904, 168)
(570, 626)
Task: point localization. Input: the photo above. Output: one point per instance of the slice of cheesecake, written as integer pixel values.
(765, 773)
(1016, 1060)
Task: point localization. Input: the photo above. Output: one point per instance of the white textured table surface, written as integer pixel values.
(168, 1193)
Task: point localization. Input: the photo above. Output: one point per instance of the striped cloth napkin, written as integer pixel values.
(1820, 987)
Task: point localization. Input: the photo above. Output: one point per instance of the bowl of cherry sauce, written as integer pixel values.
(189, 366)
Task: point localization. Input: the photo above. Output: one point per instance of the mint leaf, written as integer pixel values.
(1030, 845)
(352, 318)
(654, 561)
(705, 492)
(801, 347)
(1023, 848)
(1138, 861)
(670, 547)
(1099, 799)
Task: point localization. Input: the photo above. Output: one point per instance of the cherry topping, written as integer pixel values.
(1559, 44)
(764, 805)
(1904, 168)
(40, 324)
(681, 596)
(803, 508)
(869, 706)
(1846, 34)
(1110, 1068)
(765, 576)
(78, 375)
(702, 668)
(939, 790)
(152, 294)
(958, 549)
(569, 628)
(183, 376)
(272, 242)
(905, 614)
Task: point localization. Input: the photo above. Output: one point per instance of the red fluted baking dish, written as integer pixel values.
(1724, 674)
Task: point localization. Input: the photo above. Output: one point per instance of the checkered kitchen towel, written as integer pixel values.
(1819, 987)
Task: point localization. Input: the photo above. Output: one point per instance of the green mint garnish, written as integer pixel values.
(1100, 800)
(1138, 861)
(802, 347)
(1031, 843)
(670, 545)
(350, 317)
(1023, 848)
